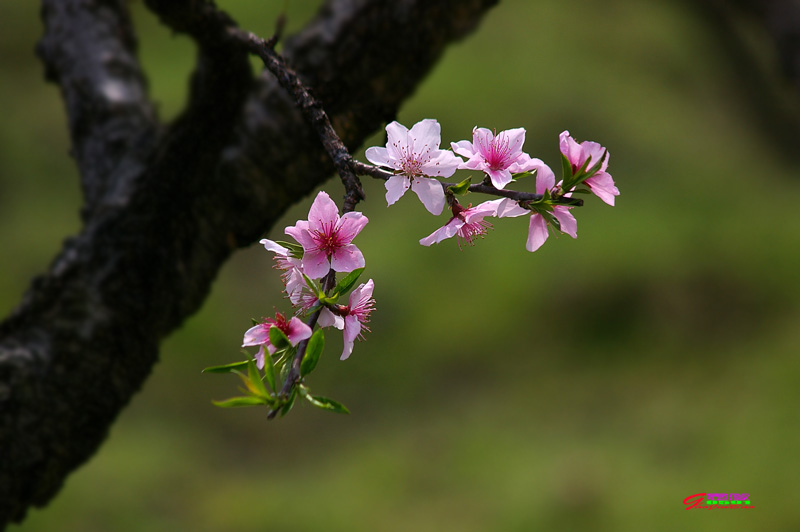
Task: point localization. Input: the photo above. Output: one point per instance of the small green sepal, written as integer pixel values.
(461, 188)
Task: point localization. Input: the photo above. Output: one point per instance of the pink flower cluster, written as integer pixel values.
(326, 240)
(416, 159)
(290, 347)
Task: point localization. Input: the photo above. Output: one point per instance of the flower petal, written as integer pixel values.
(298, 331)
(571, 149)
(596, 152)
(379, 156)
(260, 360)
(361, 294)
(350, 224)
(566, 220)
(426, 135)
(396, 186)
(480, 211)
(537, 232)
(430, 193)
(443, 163)
(328, 319)
(352, 327)
(347, 258)
(323, 211)
(256, 335)
(515, 139)
(500, 178)
(294, 285)
(463, 148)
(508, 208)
(397, 140)
(449, 230)
(269, 245)
(482, 141)
(316, 264)
(602, 185)
(300, 232)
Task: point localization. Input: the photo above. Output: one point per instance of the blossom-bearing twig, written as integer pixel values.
(481, 188)
(311, 109)
(411, 160)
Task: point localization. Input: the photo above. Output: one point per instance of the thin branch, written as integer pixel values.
(312, 110)
(294, 376)
(481, 188)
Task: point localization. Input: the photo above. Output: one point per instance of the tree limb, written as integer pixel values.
(110, 116)
(165, 211)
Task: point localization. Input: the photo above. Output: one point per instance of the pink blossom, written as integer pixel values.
(292, 275)
(306, 300)
(466, 223)
(294, 329)
(499, 156)
(326, 238)
(537, 225)
(356, 315)
(415, 154)
(601, 183)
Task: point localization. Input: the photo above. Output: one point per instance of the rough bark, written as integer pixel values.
(165, 207)
(767, 75)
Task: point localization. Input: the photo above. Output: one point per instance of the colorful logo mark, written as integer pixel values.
(718, 501)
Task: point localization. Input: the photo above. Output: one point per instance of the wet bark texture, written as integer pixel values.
(166, 206)
(767, 74)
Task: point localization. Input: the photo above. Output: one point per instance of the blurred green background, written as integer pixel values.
(592, 385)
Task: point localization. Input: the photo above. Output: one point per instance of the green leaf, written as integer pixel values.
(250, 387)
(289, 403)
(596, 168)
(234, 402)
(313, 351)
(573, 202)
(523, 174)
(327, 404)
(295, 249)
(278, 339)
(329, 300)
(226, 368)
(566, 172)
(311, 285)
(347, 283)
(269, 370)
(255, 378)
(254, 321)
(461, 188)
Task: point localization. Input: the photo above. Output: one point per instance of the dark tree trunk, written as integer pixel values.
(166, 206)
(768, 75)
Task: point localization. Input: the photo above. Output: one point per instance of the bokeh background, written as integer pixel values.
(592, 385)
